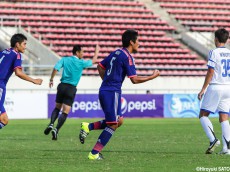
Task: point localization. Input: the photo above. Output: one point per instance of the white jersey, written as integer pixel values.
(219, 60)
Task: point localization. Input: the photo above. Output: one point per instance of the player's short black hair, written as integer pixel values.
(127, 36)
(18, 37)
(222, 35)
(76, 48)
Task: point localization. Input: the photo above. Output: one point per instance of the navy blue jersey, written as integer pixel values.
(9, 61)
(117, 65)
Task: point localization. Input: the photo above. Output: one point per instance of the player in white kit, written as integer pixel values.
(217, 95)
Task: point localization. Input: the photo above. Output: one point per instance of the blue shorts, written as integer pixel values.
(111, 105)
(2, 98)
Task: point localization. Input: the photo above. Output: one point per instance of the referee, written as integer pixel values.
(66, 90)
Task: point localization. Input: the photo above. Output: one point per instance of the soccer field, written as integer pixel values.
(139, 145)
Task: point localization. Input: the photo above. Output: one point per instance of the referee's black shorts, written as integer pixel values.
(66, 94)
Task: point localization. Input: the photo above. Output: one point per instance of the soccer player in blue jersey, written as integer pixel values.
(113, 70)
(73, 67)
(11, 61)
(217, 95)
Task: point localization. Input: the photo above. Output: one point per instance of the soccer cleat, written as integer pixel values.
(48, 129)
(213, 146)
(95, 157)
(224, 152)
(83, 132)
(54, 134)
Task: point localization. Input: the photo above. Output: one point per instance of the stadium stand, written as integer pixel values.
(63, 23)
(199, 15)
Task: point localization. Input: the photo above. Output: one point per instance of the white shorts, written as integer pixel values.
(216, 99)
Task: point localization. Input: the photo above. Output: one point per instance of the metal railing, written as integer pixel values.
(47, 69)
(124, 91)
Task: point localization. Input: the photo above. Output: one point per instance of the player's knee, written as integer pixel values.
(223, 117)
(5, 122)
(66, 108)
(113, 126)
(4, 119)
(65, 113)
(120, 121)
(203, 113)
(58, 106)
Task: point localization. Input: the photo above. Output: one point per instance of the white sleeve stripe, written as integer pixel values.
(1, 91)
(210, 66)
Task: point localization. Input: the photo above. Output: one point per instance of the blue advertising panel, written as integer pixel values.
(132, 105)
(182, 106)
(142, 105)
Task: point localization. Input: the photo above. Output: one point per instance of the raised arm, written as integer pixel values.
(141, 79)
(97, 49)
(22, 75)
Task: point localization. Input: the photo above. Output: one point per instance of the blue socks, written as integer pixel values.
(97, 125)
(2, 125)
(103, 140)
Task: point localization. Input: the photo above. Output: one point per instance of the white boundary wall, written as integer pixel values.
(25, 100)
(28, 105)
(92, 84)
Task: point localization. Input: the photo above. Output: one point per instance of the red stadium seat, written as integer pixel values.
(65, 23)
(199, 15)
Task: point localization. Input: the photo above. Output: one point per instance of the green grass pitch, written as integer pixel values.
(139, 145)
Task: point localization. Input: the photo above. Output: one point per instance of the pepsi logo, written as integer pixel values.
(123, 105)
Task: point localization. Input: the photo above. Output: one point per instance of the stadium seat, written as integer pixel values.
(65, 23)
(198, 15)
(89, 2)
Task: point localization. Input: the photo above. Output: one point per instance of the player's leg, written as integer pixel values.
(111, 107)
(53, 118)
(69, 95)
(61, 120)
(223, 118)
(84, 131)
(209, 106)
(208, 129)
(3, 115)
(87, 127)
(98, 125)
(120, 121)
(223, 109)
(3, 120)
(55, 113)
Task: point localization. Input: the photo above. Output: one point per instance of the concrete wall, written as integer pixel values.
(191, 41)
(43, 54)
(36, 53)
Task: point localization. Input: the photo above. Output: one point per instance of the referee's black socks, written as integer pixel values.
(61, 120)
(54, 115)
